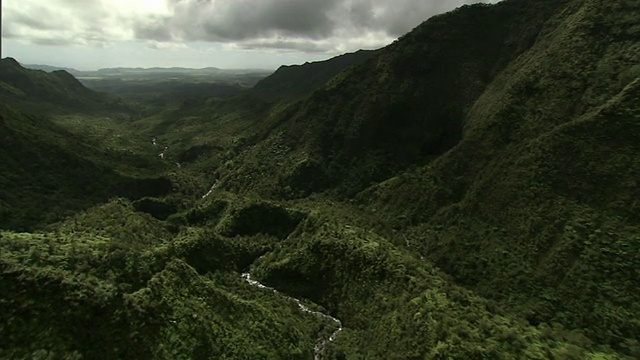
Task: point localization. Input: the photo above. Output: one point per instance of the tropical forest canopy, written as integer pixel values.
(467, 192)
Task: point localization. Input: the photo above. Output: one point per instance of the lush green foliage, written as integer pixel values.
(42, 92)
(47, 173)
(297, 81)
(539, 191)
(468, 192)
(115, 272)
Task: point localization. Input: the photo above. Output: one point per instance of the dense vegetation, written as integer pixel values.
(467, 192)
(45, 93)
(295, 81)
(47, 173)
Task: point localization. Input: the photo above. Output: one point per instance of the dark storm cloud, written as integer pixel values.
(395, 18)
(331, 26)
(325, 24)
(228, 21)
(284, 45)
(153, 28)
(54, 42)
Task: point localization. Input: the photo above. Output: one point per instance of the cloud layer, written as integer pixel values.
(330, 26)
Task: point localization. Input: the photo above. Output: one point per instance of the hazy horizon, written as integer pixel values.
(227, 34)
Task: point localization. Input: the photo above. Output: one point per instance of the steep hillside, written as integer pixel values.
(39, 91)
(521, 123)
(536, 206)
(296, 81)
(208, 129)
(49, 68)
(95, 289)
(61, 149)
(47, 173)
(403, 107)
(468, 192)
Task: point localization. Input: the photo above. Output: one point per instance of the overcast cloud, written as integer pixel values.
(304, 26)
(227, 33)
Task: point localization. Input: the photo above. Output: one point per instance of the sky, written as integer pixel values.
(229, 34)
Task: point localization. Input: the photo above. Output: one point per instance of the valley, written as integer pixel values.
(467, 192)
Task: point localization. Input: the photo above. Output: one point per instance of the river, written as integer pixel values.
(322, 341)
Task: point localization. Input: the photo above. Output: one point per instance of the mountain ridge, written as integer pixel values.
(504, 175)
(35, 191)
(51, 68)
(467, 192)
(58, 90)
(290, 81)
(358, 132)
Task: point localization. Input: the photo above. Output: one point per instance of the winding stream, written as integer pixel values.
(322, 341)
(211, 189)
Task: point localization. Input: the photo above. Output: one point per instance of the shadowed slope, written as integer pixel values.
(47, 173)
(42, 92)
(403, 107)
(536, 206)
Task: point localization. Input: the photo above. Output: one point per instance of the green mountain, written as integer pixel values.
(505, 158)
(467, 192)
(49, 68)
(204, 129)
(296, 81)
(404, 107)
(48, 173)
(43, 92)
(541, 190)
